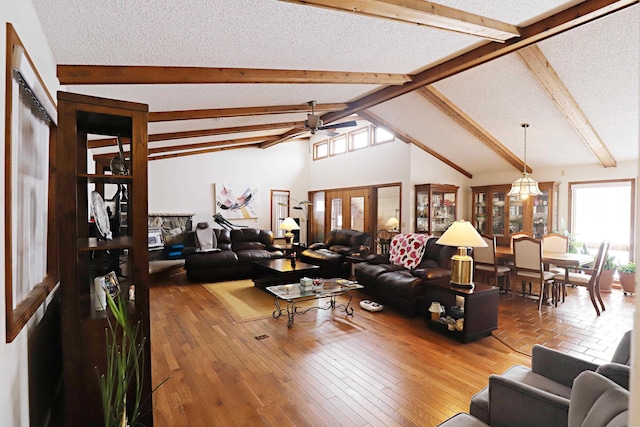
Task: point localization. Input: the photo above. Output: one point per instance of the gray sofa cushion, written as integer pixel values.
(597, 402)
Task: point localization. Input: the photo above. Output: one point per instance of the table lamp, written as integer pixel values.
(463, 235)
(289, 224)
(392, 224)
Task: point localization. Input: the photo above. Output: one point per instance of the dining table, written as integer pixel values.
(566, 260)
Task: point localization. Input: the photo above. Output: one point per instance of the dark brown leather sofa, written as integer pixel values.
(401, 288)
(330, 254)
(238, 249)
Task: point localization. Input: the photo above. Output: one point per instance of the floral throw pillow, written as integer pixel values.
(406, 250)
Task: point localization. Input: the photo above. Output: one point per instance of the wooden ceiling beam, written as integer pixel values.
(197, 152)
(422, 13)
(402, 136)
(125, 74)
(564, 20)
(236, 142)
(464, 120)
(566, 103)
(166, 116)
(106, 142)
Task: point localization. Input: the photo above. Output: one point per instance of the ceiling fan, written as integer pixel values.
(314, 124)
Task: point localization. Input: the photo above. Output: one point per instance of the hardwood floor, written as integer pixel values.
(371, 369)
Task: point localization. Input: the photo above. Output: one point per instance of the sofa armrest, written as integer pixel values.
(513, 403)
(318, 245)
(557, 366)
(189, 250)
(378, 259)
(616, 372)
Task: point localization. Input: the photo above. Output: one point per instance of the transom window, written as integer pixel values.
(355, 140)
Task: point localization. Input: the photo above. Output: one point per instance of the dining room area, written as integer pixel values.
(546, 271)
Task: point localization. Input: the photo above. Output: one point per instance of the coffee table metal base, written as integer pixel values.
(292, 309)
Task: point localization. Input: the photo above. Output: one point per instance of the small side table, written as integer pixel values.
(353, 260)
(480, 308)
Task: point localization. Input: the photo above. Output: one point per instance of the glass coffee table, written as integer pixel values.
(293, 295)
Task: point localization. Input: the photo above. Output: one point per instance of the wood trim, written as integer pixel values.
(124, 74)
(213, 113)
(378, 121)
(560, 22)
(106, 142)
(464, 120)
(17, 318)
(193, 153)
(539, 65)
(422, 13)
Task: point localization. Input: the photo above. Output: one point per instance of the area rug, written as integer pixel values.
(243, 301)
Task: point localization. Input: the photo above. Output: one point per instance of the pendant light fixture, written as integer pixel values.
(525, 186)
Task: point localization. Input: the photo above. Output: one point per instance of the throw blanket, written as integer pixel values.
(406, 250)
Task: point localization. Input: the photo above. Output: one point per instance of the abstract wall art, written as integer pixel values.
(237, 201)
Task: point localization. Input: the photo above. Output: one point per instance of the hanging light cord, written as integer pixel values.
(525, 126)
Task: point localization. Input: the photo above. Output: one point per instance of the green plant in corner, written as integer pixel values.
(124, 375)
(125, 367)
(629, 268)
(610, 263)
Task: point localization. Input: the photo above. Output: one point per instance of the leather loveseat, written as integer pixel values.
(330, 254)
(400, 287)
(238, 249)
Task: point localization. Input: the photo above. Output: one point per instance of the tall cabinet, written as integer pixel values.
(435, 208)
(494, 212)
(83, 256)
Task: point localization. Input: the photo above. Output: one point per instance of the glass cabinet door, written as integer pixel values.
(443, 212)
(516, 214)
(480, 211)
(497, 213)
(422, 211)
(540, 213)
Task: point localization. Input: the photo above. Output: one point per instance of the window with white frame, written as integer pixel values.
(320, 150)
(381, 135)
(604, 210)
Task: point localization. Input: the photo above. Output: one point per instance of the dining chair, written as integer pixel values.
(554, 242)
(527, 258)
(516, 236)
(589, 277)
(484, 260)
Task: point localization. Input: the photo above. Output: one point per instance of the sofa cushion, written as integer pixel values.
(207, 260)
(250, 255)
(406, 250)
(248, 246)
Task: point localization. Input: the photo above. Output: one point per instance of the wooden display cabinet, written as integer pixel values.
(82, 256)
(496, 213)
(435, 208)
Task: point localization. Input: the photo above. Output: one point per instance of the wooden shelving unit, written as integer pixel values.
(83, 327)
(493, 212)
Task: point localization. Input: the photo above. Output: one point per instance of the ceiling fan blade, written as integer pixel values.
(327, 132)
(339, 125)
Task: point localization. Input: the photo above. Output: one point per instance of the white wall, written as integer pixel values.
(186, 184)
(14, 390)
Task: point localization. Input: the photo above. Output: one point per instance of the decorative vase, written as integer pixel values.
(606, 280)
(628, 282)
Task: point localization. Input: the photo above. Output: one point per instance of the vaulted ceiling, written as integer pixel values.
(455, 78)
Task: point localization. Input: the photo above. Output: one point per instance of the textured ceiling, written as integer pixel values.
(597, 62)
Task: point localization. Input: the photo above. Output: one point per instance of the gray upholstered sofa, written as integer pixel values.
(547, 385)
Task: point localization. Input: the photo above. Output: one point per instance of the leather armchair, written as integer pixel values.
(549, 382)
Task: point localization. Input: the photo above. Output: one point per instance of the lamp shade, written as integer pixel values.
(524, 187)
(289, 224)
(392, 223)
(461, 233)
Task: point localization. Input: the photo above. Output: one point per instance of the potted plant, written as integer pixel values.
(608, 271)
(627, 274)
